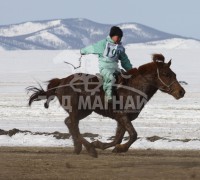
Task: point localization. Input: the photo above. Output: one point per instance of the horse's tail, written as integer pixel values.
(38, 94)
(41, 94)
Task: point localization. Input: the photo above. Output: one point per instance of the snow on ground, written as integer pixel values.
(176, 123)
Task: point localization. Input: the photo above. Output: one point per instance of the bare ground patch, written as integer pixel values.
(61, 163)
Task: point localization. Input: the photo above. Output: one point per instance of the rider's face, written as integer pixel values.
(116, 39)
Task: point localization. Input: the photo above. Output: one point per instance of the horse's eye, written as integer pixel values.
(166, 74)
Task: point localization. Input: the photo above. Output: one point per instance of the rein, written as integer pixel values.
(168, 86)
(73, 65)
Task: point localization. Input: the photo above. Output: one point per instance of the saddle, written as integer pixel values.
(121, 77)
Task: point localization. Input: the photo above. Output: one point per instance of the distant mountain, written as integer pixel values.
(71, 34)
(175, 43)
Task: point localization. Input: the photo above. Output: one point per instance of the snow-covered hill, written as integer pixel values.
(71, 34)
(175, 43)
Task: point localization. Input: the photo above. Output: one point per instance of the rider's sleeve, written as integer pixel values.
(97, 48)
(125, 62)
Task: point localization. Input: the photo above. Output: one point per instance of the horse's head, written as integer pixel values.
(162, 77)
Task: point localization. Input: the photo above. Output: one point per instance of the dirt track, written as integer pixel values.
(61, 163)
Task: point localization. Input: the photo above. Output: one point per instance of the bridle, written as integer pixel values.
(166, 85)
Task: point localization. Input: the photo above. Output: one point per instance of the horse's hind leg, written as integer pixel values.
(89, 147)
(49, 98)
(118, 139)
(72, 125)
(74, 131)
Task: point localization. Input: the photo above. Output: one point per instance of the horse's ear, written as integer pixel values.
(169, 63)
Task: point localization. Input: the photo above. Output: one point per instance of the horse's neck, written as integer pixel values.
(145, 85)
(150, 91)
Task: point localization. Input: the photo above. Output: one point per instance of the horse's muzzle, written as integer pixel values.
(179, 93)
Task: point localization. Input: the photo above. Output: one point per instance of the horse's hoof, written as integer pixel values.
(92, 152)
(46, 105)
(98, 144)
(115, 150)
(78, 149)
(119, 149)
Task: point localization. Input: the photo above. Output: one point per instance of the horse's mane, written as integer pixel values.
(159, 59)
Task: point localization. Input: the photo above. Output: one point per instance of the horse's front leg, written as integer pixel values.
(126, 123)
(120, 131)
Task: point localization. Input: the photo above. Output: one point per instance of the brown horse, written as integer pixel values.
(82, 94)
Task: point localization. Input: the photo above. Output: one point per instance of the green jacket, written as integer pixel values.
(109, 54)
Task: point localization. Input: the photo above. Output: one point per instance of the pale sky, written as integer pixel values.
(179, 17)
